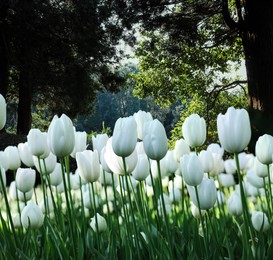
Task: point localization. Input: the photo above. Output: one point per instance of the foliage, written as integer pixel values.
(197, 105)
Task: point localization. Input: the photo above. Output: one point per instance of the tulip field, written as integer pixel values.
(131, 197)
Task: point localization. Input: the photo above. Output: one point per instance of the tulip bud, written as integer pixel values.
(170, 162)
(207, 194)
(25, 154)
(47, 166)
(102, 226)
(195, 211)
(230, 166)
(194, 130)
(61, 137)
(13, 158)
(191, 169)
(80, 143)
(32, 216)
(226, 180)
(37, 142)
(115, 163)
(3, 112)
(124, 136)
(218, 165)
(264, 149)
(260, 221)
(260, 169)
(215, 148)
(254, 179)
(234, 204)
(88, 165)
(141, 117)
(142, 168)
(99, 141)
(4, 160)
(25, 179)
(56, 175)
(155, 140)
(181, 148)
(234, 130)
(206, 160)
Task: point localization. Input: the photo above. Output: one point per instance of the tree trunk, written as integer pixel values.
(258, 47)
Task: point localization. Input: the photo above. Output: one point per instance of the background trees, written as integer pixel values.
(59, 51)
(55, 52)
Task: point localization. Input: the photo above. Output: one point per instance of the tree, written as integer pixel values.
(242, 27)
(55, 52)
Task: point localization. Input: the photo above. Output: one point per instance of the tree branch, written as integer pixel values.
(227, 17)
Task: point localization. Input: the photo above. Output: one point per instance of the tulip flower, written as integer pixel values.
(13, 158)
(207, 194)
(105, 177)
(99, 141)
(56, 175)
(115, 163)
(80, 143)
(206, 160)
(226, 180)
(230, 166)
(25, 179)
(264, 149)
(234, 204)
(25, 196)
(260, 221)
(37, 142)
(3, 112)
(234, 130)
(32, 216)
(88, 165)
(155, 140)
(221, 198)
(194, 130)
(218, 165)
(215, 148)
(155, 170)
(103, 162)
(260, 168)
(142, 168)
(124, 137)
(100, 226)
(192, 170)
(4, 160)
(48, 165)
(61, 137)
(181, 148)
(254, 179)
(141, 117)
(170, 162)
(195, 211)
(25, 154)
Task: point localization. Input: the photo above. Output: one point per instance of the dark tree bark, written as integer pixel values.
(255, 26)
(258, 47)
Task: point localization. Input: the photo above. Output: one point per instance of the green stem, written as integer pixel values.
(164, 208)
(202, 222)
(95, 213)
(8, 208)
(247, 222)
(131, 207)
(71, 223)
(269, 187)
